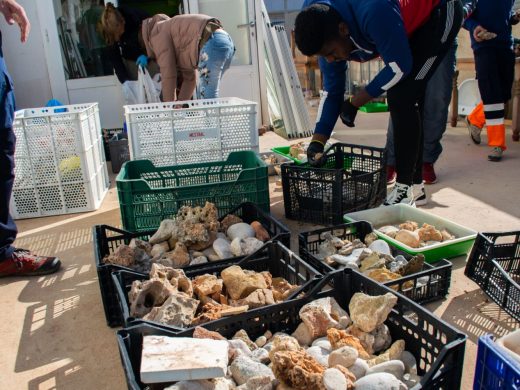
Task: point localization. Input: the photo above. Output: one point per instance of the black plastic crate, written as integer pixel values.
(353, 179)
(494, 264)
(273, 257)
(439, 275)
(437, 346)
(107, 239)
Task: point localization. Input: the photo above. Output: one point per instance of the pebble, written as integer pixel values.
(394, 367)
(222, 248)
(243, 368)
(344, 356)
(261, 341)
(359, 368)
(381, 247)
(322, 342)
(320, 354)
(260, 355)
(240, 230)
(333, 379)
(379, 381)
(410, 364)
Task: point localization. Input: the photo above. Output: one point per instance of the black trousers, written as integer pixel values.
(429, 44)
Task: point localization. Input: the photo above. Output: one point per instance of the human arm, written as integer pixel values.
(189, 82)
(15, 13)
(117, 62)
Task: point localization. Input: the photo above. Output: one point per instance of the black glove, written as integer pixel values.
(315, 155)
(348, 113)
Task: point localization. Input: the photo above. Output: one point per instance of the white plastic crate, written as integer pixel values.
(60, 165)
(207, 130)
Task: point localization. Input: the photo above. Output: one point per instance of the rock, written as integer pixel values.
(389, 230)
(203, 384)
(211, 254)
(239, 283)
(159, 249)
(260, 232)
(243, 368)
(383, 275)
(368, 312)
(178, 310)
(172, 241)
(144, 296)
(319, 315)
(176, 277)
(240, 230)
(320, 354)
(344, 322)
(382, 338)
(348, 376)
(359, 368)
(258, 383)
(366, 339)
(229, 220)
(333, 379)
(394, 367)
(379, 381)
(370, 238)
(380, 247)
(411, 380)
(446, 235)
(250, 245)
(340, 338)
(199, 260)
(202, 333)
(236, 247)
(282, 289)
(261, 341)
(242, 335)
(168, 359)
(204, 285)
(373, 261)
(429, 233)
(349, 261)
(414, 265)
(344, 356)
(298, 369)
(282, 343)
(222, 248)
(398, 264)
(166, 228)
(238, 347)
(322, 342)
(179, 256)
(123, 255)
(303, 334)
(409, 225)
(327, 248)
(409, 361)
(260, 355)
(408, 238)
(392, 353)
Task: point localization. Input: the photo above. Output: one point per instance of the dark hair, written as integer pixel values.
(314, 26)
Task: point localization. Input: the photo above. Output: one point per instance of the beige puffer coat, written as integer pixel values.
(174, 44)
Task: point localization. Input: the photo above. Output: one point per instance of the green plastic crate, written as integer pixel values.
(149, 194)
(374, 107)
(284, 151)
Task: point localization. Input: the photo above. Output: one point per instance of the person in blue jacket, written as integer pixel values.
(411, 36)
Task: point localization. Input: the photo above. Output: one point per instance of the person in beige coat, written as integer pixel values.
(188, 45)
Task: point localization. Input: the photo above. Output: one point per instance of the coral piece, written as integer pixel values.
(409, 238)
(240, 283)
(202, 333)
(206, 285)
(258, 298)
(320, 315)
(429, 233)
(392, 353)
(176, 277)
(298, 369)
(229, 220)
(165, 231)
(144, 296)
(368, 312)
(409, 225)
(123, 255)
(260, 231)
(339, 338)
(178, 310)
(141, 244)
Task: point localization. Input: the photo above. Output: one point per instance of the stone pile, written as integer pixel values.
(373, 258)
(195, 236)
(409, 233)
(329, 350)
(171, 298)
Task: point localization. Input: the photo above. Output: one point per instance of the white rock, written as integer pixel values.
(333, 379)
(320, 354)
(379, 381)
(260, 355)
(359, 368)
(394, 367)
(236, 247)
(344, 260)
(222, 248)
(244, 368)
(199, 260)
(240, 230)
(344, 322)
(409, 361)
(251, 245)
(211, 254)
(381, 247)
(302, 334)
(354, 257)
(261, 341)
(204, 384)
(411, 380)
(322, 342)
(169, 359)
(222, 235)
(344, 356)
(239, 347)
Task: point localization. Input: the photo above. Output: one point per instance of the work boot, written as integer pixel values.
(24, 263)
(401, 193)
(391, 174)
(495, 154)
(428, 173)
(474, 131)
(419, 195)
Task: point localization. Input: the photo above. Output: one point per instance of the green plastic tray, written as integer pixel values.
(284, 151)
(149, 194)
(391, 215)
(374, 107)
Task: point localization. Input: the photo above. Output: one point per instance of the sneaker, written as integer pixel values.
(428, 173)
(391, 174)
(474, 131)
(419, 195)
(24, 263)
(401, 193)
(496, 154)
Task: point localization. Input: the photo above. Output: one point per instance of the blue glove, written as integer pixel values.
(142, 61)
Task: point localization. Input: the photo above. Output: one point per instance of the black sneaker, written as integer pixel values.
(401, 193)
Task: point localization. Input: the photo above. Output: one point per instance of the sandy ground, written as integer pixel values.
(53, 330)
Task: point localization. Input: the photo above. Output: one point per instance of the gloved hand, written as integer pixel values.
(315, 155)
(142, 61)
(348, 113)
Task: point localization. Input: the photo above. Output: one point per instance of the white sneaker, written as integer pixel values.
(401, 193)
(419, 195)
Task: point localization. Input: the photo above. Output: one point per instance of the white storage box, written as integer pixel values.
(60, 165)
(204, 131)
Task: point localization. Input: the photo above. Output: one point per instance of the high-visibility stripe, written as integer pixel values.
(397, 77)
(495, 122)
(425, 68)
(494, 107)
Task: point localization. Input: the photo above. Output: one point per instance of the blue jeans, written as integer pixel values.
(214, 59)
(435, 115)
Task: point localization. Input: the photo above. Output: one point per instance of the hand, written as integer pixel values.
(315, 155)
(348, 113)
(142, 61)
(14, 13)
(481, 34)
(515, 18)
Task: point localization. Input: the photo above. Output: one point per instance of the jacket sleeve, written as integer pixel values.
(470, 15)
(334, 77)
(189, 82)
(117, 62)
(167, 62)
(385, 28)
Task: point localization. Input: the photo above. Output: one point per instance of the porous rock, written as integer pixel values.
(282, 343)
(178, 310)
(240, 283)
(123, 255)
(298, 369)
(145, 295)
(179, 256)
(339, 338)
(176, 277)
(367, 312)
(429, 233)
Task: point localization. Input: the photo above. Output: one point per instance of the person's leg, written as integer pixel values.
(390, 154)
(7, 226)
(215, 58)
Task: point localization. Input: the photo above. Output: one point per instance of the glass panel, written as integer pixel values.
(235, 17)
(83, 49)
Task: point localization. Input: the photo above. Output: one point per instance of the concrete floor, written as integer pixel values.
(53, 330)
